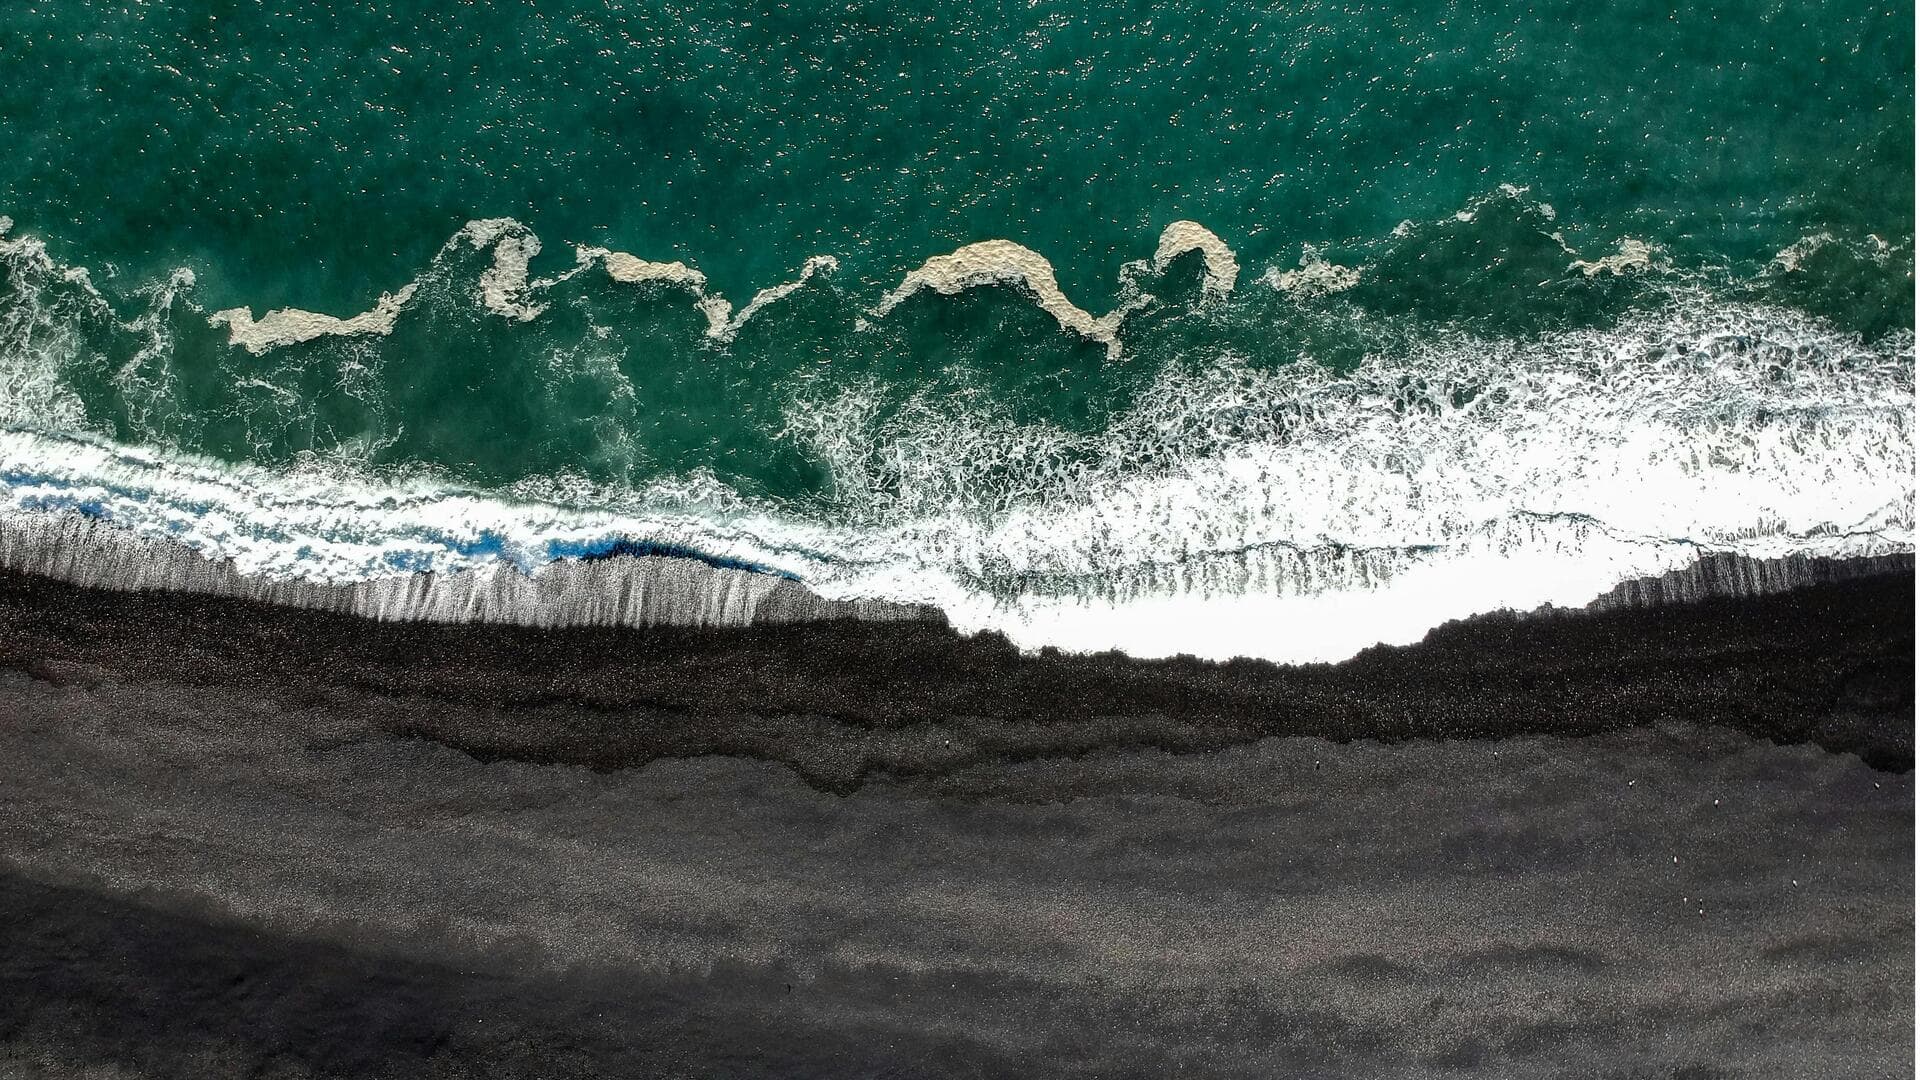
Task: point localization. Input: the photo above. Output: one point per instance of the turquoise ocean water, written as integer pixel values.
(1490, 264)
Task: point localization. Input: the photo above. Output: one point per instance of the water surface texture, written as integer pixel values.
(1131, 327)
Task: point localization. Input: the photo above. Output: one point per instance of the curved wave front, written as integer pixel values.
(1293, 512)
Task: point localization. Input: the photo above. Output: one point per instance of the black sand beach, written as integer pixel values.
(242, 840)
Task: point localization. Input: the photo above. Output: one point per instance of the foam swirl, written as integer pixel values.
(1003, 262)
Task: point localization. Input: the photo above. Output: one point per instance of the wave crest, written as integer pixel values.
(1293, 513)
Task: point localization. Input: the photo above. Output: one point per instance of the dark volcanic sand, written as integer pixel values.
(844, 701)
(238, 841)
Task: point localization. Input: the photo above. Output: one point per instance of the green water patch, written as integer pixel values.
(315, 155)
(1863, 284)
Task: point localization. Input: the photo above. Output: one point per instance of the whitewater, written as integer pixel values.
(1292, 513)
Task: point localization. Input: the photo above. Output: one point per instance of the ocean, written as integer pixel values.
(1232, 330)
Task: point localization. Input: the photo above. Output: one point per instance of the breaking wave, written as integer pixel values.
(1234, 507)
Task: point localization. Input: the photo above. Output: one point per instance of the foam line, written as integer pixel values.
(1293, 514)
(502, 289)
(1235, 508)
(723, 322)
(506, 289)
(504, 286)
(1630, 256)
(1325, 606)
(818, 264)
(1788, 259)
(646, 590)
(1723, 575)
(1003, 262)
(1355, 599)
(1223, 269)
(1315, 277)
(291, 326)
(632, 270)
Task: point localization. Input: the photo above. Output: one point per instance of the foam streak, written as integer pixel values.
(1003, 262)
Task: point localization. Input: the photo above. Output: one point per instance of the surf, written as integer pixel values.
(1293, 513)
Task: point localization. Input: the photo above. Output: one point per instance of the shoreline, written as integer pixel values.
(619, 590)
(843, 701)
(625, 590)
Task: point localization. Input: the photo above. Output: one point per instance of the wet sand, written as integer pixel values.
(248, 841)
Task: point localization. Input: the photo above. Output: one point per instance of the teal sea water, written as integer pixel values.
(1437, 273)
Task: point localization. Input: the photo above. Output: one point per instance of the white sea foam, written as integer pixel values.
(1003, 262)
(45, 311)
(723, 322)
(773, 294)
(628, 590)
(504, 286)
(503, 289)
(506, 289)
(1788, 259)
(632, 270)
(1222, 268)
(1238, 509)
(1316, 277)
(329, 525)
(1297, 514)
(1630, 256)
(1291, 513)
(291, 326)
